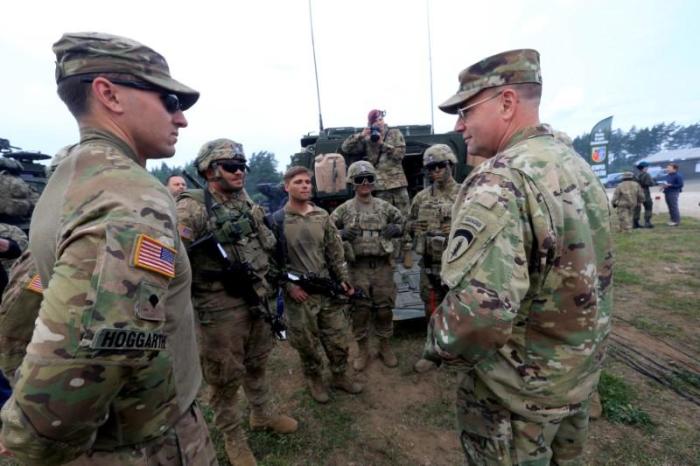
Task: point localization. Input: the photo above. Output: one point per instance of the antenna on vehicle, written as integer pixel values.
(430, 68)
(313, 49)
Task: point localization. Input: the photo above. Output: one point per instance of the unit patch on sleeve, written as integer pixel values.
(151, 254)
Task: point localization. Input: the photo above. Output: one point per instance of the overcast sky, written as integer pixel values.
(252, 62)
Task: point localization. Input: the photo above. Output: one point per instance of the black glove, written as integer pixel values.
(349, 234)
(392, 230)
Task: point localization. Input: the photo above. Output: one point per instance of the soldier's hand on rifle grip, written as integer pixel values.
(347, 288)
(298, 294)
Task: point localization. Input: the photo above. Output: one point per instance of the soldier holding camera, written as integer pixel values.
(384, 148)
(230, 249)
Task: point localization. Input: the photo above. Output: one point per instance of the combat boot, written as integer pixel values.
(262, 419)
(386, 354)
(636, 224)
(237, 449)
(360, 361)
(317, 389)
(423, 365)
(648, 225)
(343, 382)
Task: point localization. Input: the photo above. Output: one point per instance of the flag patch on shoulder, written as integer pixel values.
(35, 284)
(151, 254)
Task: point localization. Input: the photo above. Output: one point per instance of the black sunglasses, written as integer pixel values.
(435, 165)
(362, 178)
(232, 167)
(170, 101)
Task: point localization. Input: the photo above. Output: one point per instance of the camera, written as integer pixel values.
(375, 132)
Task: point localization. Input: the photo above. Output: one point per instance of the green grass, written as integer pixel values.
(654, 327)
(618, 398)
(625, 277)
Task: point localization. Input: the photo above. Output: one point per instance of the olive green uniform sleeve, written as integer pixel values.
(335, 256)
(354, 144)
(394, 145)
(191, 219)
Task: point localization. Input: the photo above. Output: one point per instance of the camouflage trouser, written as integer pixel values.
(492, 435)
(432, 291)
(318, 320)
(374, 276)
(187, 443)
(648, 206)
(234, 349)
(624, 218)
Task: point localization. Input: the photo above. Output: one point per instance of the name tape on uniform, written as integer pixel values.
(124, 339)
(151, 254)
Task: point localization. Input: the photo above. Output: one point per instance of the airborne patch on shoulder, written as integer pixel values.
(474, 223)
(124, 339)
(462, 239)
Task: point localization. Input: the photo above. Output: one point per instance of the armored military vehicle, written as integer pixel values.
(418, 139)
(32, 172)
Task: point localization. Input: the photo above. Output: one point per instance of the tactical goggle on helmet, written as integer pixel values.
(361, 172)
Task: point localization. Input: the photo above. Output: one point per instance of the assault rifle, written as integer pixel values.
(239, 280)
(315, 284)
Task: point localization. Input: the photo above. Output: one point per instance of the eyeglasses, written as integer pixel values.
(462, 112)
(435, 165)
(232, 167)
(358, 180)
(170, 101)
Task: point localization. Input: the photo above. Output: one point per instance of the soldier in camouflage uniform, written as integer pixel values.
(311, 245)
(230, 250)
(368, 225)
(627, 197)
(529, 269)
(646, 181)
(17, 198)
(111, 375)
(386, 155)
(429, 223)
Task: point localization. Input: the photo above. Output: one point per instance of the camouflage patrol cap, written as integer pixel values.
(361, 167)
(439, 153)
(95, 52)
(627, 176)
(218, 149)
(512, 67)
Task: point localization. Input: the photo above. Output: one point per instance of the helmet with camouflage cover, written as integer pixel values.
(439, 153)
(627, 176)
(361, 167)
(218, 149)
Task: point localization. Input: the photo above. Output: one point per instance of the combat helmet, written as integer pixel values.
(627, 176)
(439, 153)
(361, 167)
(218, 149)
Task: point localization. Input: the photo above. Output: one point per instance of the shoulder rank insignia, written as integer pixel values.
(35, 284)
(151, 254)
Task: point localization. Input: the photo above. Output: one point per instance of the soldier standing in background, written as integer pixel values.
(17, 198)
(627, 197)
(369, 224)
(176, 185)
(310, 245)
(232, 288)
(111, 374)
(429, 223)
(13, 242)
(529, 270)
(645, 181)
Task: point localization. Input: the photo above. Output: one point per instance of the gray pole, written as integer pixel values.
(313, 49)
(430, 69)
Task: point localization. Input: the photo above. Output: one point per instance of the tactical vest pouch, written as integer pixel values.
(232, 231)
(368, 244)
(435, 246)
(329, 173)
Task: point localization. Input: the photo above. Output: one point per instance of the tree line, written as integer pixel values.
(627, 147)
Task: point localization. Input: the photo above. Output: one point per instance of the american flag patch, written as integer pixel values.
(35, 285)
(185, 231)
(153, 255)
